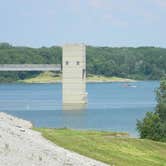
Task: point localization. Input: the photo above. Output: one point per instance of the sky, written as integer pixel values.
(116, 23)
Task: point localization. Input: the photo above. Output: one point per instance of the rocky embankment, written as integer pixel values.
(21, 146)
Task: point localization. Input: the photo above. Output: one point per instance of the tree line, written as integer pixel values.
(142, 63)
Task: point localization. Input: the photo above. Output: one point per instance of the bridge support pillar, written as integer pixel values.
(74, 74)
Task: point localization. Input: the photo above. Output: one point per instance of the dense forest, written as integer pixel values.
(137, 63)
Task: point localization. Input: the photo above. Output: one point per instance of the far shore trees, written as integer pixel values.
(142, 63)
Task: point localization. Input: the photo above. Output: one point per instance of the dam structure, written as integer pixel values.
(74, 74)
(73, 69)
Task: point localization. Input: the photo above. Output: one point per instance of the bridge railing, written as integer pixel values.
(30, 67)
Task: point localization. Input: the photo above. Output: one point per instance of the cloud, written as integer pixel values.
(109, 12)
(150, 17)
(116, 21)
(99, 3)
(52, 12)
(75, 3)
(108, 17)
(161, 3)
(96, 3)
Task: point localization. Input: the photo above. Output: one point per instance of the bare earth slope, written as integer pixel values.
(21, 146)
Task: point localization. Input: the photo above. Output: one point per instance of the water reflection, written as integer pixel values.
(74, 115)
(74, 107)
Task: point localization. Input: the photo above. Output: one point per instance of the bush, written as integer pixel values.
(153, 126)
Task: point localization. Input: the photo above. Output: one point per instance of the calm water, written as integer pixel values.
(111, 106)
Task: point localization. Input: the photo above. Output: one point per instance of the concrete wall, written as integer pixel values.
(74, 74)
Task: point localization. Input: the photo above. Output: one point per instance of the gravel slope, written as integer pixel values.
(21, 146)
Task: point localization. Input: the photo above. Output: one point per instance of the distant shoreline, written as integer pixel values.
(49, 77)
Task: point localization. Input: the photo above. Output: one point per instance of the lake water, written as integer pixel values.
(111, 106)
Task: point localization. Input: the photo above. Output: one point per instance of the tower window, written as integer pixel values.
(78, 63)
(83, 73)
(67, 62)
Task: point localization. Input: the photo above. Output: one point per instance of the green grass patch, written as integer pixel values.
(109, 147)
(100, 78)
(51, 77)
(45, 77)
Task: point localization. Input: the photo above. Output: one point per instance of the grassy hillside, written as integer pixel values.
(46, 77)
(112, 148)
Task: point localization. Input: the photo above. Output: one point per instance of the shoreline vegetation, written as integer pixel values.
(138, 63)
(112, 148)
(50, 77)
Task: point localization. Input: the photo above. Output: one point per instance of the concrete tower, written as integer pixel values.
(74, 74)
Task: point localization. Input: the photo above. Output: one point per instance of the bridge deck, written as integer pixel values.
(30, 67)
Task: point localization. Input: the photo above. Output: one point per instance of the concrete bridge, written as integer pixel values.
(30, 67)
(74, 72)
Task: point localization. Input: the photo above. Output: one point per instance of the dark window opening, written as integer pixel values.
(83, 73)
(78, 63)
(67, 62)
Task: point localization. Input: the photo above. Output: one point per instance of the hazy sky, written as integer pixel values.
(94, 22)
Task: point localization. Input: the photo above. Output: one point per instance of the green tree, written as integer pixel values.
(153, 126)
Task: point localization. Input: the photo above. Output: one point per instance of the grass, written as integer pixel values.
(50, 77)
(112, 148)
(45, 77)
(99, 78)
